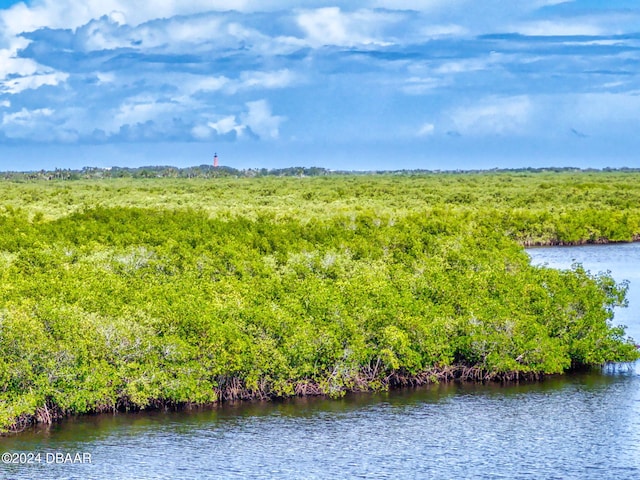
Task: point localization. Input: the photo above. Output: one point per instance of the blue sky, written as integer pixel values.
(365, 84)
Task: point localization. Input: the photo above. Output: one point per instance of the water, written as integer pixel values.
(576, 427)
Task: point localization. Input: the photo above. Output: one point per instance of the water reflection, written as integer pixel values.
(584, 426)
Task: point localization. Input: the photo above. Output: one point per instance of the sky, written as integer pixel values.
(358, 85)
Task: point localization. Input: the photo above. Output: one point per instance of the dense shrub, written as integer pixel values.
(128, 307)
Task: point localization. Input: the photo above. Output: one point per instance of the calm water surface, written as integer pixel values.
(577, 427)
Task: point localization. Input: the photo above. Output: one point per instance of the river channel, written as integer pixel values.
(583, 426)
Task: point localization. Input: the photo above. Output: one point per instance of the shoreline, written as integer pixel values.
(235, 391)
(579, 243)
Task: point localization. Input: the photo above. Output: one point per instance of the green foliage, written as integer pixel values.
(135, 293)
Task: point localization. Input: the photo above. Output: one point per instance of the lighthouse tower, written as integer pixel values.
(215, 160)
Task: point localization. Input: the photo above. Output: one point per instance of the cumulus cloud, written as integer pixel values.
(12, 65)
(256, 121)
(332, 26)
(36, 125)
(142, 109)
(261, 121)
(24, 116)
(177, 34)
(225, 126)
(115, 70)
(17, 85)
(132, 84)
(74, 13)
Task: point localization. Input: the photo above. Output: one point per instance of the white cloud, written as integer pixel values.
(18, 74)
(278, 79)
(331, 26)
(102, 34)
(174, 34)
(51, 13)
(436, 31)
(326, 26)
(74, 13)
(227, 125)
(615, 84)
(260, 120)
(431, 5)
(140, 110)
(464, 17)
(558, 28)
(17, 85)
(467, 65)
(190, 84)
(24, 116)
(201, 132)
(147, 69)
(426, 130)
(501, 116)
(610, 22)
(34, 125)
(419, 85)
(427, 75)
(118, 17)
(12, 65)
(334, 22)
(420, 5)
(105, 77)
(190, 35)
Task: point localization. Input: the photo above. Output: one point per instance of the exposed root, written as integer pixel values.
(307, 388)
(47, 414)
(230, 389)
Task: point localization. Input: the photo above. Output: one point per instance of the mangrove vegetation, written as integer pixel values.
(132, 293)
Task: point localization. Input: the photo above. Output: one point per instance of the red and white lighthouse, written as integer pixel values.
(215, 160)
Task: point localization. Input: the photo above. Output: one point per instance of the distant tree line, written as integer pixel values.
(208, 171)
